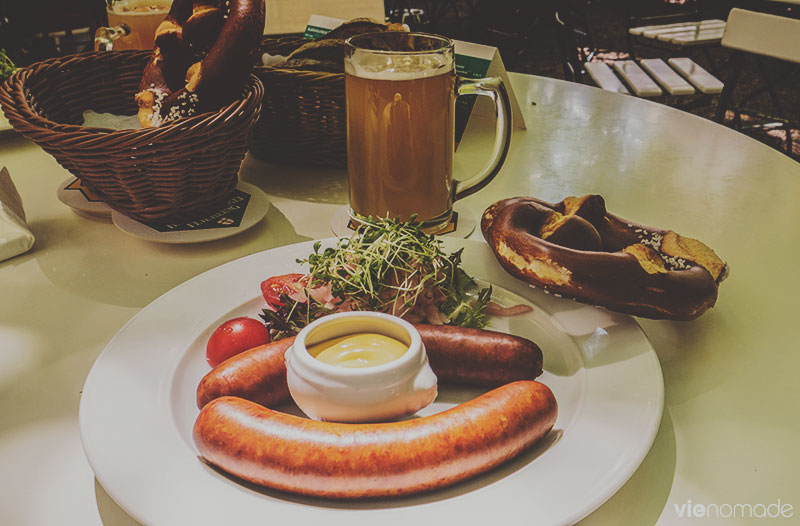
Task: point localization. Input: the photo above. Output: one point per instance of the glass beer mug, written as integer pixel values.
(401, 90)
(131, 24)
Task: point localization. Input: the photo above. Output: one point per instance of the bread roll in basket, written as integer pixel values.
(169, 173)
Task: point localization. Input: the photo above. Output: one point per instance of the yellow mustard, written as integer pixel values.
(358, 350)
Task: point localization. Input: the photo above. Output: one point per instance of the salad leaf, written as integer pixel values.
(386, 266)
(7, 67)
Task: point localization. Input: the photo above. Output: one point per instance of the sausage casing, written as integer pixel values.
(479, 356)
(456, 354)
(336, 460)
(258, 374)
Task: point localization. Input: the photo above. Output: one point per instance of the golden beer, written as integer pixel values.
(142, 17)
(400, 131)
(400, 92)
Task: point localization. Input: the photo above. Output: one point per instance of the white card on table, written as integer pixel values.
(475, 61)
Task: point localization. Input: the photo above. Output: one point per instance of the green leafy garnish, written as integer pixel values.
(7, 68)
(386, 266)
(464, 308)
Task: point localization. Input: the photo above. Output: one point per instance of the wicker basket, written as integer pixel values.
(169, 173)
(303, 113)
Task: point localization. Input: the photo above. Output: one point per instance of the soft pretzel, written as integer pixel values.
(202, 59)
(576, 249)
(326, 53)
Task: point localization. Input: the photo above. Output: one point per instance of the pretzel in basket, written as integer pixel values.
(326, 53)
(576, 249)
(202, 58)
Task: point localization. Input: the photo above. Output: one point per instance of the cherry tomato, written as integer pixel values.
(273, 287)
(233, 337)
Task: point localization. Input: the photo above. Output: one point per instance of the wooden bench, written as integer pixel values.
(753, 35)
(650, 31)
(667, 77)
(603, 76)
(705, 81)
(683, 33)
(641, 84)
(681, 77)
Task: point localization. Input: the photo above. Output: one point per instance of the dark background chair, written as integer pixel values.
(35, 30)
(774, 68)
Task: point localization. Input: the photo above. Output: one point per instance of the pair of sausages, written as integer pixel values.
(237, 433)
(456, 354)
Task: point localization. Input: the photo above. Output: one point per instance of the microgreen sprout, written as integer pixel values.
(7, 68)
(386, 266)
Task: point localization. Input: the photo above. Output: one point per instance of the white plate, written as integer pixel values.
(138, 408)
(256, 209)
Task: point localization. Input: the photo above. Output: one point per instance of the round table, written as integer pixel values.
(730, 426)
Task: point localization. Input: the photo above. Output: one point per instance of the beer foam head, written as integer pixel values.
(139, 7)
(392, 66)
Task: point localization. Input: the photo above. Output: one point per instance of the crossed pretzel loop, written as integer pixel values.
(204, 51)
(575, 248)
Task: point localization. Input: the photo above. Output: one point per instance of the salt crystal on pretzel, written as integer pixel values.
(576, 249)
(205, 50)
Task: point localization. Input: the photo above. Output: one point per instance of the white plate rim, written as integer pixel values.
(95, 393)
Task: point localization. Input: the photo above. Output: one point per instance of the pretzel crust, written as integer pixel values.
(204, 52)
(577, 249)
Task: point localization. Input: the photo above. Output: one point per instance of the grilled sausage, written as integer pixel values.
(258, 374)
(456, 354)
(479, 356)
(335, 460)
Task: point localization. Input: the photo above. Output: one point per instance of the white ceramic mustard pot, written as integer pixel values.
(364, 393)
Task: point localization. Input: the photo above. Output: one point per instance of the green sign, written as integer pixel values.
(470, 68)
(315, 31)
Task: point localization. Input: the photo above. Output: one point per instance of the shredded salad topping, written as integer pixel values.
(386, 266)
(7, 68)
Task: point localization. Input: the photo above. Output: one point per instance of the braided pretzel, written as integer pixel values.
(576, 249)
(203, 55)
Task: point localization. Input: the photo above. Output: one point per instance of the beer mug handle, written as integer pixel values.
(495, 88)
(104, 37)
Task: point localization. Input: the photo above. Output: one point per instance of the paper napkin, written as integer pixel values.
(15, 237)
